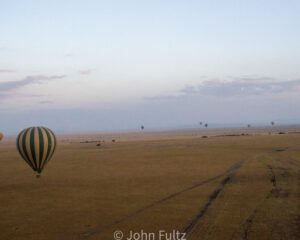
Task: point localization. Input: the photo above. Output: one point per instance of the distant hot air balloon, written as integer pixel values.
(272, 123)
(142, 127)
(1, 136)
(200, 123)
(206, 125)
(36, 146)
(249, 126)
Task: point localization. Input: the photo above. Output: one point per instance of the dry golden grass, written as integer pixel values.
(241, 187)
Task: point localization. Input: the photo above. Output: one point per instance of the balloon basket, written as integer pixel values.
(38, 176)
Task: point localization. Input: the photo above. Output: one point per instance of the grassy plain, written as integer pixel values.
(220, 187)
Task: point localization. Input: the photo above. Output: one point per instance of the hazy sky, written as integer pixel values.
(114, 65)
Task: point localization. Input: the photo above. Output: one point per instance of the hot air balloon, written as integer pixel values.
(1, 136)
(142, 127)
(36, 146)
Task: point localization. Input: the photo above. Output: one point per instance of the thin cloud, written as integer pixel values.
(7, 71)
(34, 95)
(242, 87)
(85, 72)
(252, 78)
(239, 87)
(45, 102)
(68, 55)
(5, 87)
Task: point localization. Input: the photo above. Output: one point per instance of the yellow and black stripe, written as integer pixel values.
(36, 145)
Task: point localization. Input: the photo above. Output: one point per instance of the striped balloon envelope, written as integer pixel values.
(36, 146)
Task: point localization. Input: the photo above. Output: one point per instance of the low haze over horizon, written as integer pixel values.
(116, 65)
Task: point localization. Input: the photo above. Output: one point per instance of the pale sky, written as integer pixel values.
(114, 65)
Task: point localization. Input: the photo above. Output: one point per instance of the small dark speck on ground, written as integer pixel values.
(280, 149)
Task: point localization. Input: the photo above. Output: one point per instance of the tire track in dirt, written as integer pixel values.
(272, 177)
(189, 227)
(98, 230)
(249, 221)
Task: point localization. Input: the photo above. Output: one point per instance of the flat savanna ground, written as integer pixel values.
(221, 187)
